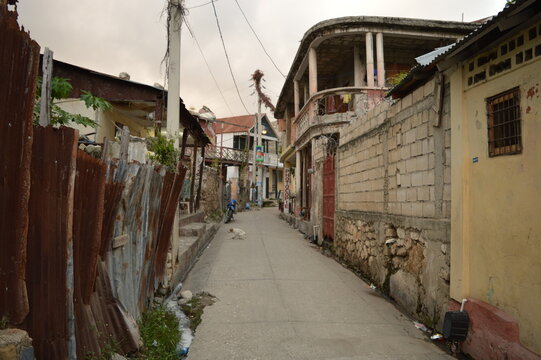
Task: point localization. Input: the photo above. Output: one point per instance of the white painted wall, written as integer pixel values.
(232, 172)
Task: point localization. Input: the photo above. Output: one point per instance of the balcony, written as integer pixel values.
(335, 107)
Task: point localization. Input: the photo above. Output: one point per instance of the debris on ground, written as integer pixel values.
(373, 287)
(238, 234)
(420, 326)
(437, 337)
(195, 306)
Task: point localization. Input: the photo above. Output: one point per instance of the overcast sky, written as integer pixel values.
(112, 36)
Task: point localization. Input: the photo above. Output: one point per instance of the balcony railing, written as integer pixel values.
(334, 106)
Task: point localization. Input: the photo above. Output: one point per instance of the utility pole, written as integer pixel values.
(260, 167)
(174, 19)
(252, 190)
(257, 76)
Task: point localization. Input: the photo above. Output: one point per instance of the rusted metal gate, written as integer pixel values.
(328, 196)
(19, 56)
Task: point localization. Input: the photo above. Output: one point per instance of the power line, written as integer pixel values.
(206, 62)
(227, 57)
(201, 5)
(257, 37)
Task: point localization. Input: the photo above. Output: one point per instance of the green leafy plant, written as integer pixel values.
(164, 152)
(395, 80)
(61, 89)
(109, 348)
(160, 333)
(4, 322)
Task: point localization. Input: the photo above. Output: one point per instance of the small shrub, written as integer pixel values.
(164, 152)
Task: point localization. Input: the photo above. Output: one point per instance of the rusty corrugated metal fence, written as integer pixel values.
(84, 241)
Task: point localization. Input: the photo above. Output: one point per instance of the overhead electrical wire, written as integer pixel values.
(257, 37)
(206, 63)
(201, 5)
(227, 57)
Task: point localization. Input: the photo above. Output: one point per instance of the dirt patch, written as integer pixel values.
(194, 308)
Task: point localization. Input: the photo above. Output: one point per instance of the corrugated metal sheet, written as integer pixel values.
(140, 204)
(19, 56)
(50, 240)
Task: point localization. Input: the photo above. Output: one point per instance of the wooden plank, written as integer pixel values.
(125, 143)
(45, 107)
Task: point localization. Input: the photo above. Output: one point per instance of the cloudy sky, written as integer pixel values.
(112, 36)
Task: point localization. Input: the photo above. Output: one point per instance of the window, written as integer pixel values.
(504, 126)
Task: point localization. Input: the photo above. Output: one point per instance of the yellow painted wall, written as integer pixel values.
(496, 202)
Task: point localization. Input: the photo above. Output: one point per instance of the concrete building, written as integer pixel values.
(494, 80)
(342, 69)
(235, 135)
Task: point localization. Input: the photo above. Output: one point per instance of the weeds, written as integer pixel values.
(160, 333)
(194, 308)
(4, 322)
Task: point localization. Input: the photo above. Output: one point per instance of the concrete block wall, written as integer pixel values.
(392, 218)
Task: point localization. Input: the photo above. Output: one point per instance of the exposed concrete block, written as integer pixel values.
(423, 193)
(418, 95)
(417, 179)
(417, 209)
(428, 88)
(407, 101)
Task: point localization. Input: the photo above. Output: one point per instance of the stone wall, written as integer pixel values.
(393, 200)
(211, 193)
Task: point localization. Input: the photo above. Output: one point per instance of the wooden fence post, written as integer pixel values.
(125, 143)
(45, 106)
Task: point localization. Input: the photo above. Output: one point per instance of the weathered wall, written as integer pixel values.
(393, 193)
(495, 221)
(211, 193)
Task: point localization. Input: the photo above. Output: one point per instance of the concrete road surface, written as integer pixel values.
(279, 298)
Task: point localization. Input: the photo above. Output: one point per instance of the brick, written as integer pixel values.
(395, 208)
(401, 195)
(418, 95)
(410, 136)
(393, 195)
(406, 209)
(428, 177)
(447, 192)
(428, 88)
(405, 152)
(422, 162)
(406, 180)
(411, 194)
(416, 148)
(411, 165)
(407, 101)
(431, 161)
(423, 193)
(429, 210)
(421, 131)
(417, 179)
(417, 209)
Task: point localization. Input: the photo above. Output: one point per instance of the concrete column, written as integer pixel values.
(305, 93)
(173, 94)
(296, 96)
(381, 61)
(312, 71)
(369, 60)
(357, 66)
(298, 177)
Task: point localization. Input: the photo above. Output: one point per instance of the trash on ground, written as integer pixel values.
(183, 321)
(420, 326)
(437, 337)
(390, 241)
(373, 287)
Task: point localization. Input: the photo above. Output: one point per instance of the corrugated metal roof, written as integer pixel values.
(427, 58)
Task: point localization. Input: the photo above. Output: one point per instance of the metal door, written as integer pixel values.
(328, 197)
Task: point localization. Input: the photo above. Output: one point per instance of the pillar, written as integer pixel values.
(298, 177)
(312, 71)
(296, 96)
(381, 61)
(357, 66)
(369, 60)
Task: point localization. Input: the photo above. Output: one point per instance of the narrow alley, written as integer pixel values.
(279, 298)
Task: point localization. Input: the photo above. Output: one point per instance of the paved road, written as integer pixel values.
(279, 298)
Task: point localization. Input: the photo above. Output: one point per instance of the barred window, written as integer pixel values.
(504, 126)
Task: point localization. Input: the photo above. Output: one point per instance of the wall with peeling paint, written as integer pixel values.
(495, 224)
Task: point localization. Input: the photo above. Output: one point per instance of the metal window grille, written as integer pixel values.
(504, 123)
